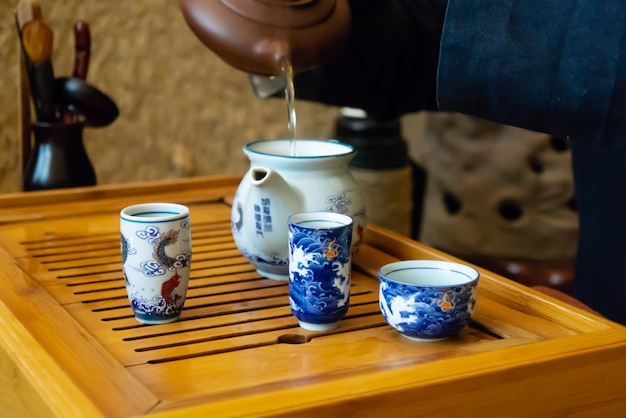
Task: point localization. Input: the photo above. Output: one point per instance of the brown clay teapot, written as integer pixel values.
(255, 36)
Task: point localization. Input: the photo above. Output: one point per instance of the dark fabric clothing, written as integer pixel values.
(558, 67)
(552, 66)
(389, 66)
(600, 277)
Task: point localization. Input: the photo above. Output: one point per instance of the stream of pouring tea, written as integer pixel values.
(291, 110)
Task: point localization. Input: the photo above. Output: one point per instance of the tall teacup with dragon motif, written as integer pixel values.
(156, 259)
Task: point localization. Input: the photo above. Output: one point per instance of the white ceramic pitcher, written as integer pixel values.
(277, 185)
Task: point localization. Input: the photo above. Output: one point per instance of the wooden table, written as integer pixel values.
(70, 347)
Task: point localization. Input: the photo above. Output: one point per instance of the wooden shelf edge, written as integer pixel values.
(489, 382)
(50, 391)
(72, 373)
(35, 198)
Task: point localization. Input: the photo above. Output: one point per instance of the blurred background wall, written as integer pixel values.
(183, 111)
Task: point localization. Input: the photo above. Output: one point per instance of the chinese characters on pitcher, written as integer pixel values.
(262, 217)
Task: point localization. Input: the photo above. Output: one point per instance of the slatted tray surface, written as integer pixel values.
(237, 338)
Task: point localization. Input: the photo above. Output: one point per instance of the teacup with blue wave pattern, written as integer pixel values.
(427, 300)
(319, 268)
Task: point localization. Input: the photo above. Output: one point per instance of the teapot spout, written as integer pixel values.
(271, 185)
(263, 203)
(260, 175)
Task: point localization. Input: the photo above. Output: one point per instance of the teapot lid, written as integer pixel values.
(256, 36)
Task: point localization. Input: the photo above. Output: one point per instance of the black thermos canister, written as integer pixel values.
(392, 184)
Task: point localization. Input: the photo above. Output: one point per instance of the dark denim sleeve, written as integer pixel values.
(558, 67)
(389, 64)
(552, 66)
(599, 178)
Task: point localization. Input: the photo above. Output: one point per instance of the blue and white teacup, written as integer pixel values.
(156, 259)
(427, 300)
(319, 268)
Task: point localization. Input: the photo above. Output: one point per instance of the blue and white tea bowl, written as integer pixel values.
(427, 300)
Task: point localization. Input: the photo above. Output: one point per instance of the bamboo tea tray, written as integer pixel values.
(70, 347)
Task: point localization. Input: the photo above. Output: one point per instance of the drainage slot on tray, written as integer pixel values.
(209, 353)
(100, 290)
(289, 338)
(108, 251)
(480, 327)
(79, 266)
(66, 238)
(93, 273)
(191, 318)
(237, 291)
(115, 280)
(189, 330)
(292, 339)
(215, 338)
